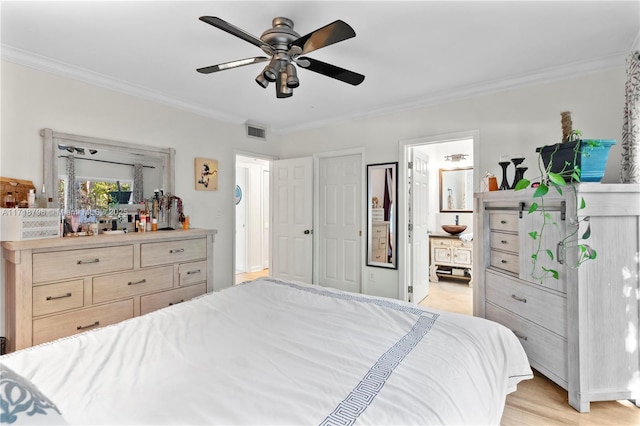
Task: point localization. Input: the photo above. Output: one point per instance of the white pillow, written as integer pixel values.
(21, 403)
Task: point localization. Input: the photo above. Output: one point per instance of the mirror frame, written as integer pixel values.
(442, 209)
(394, 216)
(52, 139)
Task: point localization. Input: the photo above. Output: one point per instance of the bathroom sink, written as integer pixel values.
(454, 229)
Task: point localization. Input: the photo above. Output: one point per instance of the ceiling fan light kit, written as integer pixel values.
(285, 47)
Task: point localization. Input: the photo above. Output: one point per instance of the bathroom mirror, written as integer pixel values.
(139, 169)
(382, 215)
(456, 190)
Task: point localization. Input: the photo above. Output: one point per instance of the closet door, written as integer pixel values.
(292, 219)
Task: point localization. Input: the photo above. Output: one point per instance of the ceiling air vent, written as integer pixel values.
(255, 131)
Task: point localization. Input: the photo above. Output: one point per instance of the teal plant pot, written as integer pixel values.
(591, 160)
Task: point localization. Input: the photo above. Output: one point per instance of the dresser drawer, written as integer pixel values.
(62, 325)
(440, 242)
(191, 273)
(153, 302)
(506, 242)
(379, 231)
(503, 221)
(118, 286)
(52, 298)
(59, 265)
(538, 306)
(506, 261)
(542, 347)
(153, 254)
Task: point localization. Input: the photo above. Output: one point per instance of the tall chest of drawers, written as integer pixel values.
(574, 329)
(63, 286)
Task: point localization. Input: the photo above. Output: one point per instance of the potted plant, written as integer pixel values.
(561, 166)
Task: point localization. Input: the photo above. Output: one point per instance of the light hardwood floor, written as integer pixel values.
(538, 401)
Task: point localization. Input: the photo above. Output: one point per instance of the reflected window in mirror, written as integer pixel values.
(456, 190)
(382, 218)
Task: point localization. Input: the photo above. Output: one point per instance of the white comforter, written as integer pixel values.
(269, 352)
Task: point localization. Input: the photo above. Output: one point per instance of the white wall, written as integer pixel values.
(32, 100)
(509, 122)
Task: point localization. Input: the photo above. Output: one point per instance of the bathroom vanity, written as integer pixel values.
(57, 287)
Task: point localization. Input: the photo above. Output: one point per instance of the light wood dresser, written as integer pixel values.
(57, 287)
(582, 329)
(451, 257)
(379, 241)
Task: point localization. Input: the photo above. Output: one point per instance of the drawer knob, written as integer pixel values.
(504, 222)
(176, 251)
(58, 297)
(172, 303)
(503, 261)
(84, 327)
(519, 335)
(85, 262)
(142, 281)
(519, 299)
(197, 271)
(504, 241)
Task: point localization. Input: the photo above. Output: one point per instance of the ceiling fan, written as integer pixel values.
(285, 48)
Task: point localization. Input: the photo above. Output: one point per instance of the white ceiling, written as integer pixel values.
(412, 53)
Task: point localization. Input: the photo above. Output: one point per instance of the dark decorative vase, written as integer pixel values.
(591, 159)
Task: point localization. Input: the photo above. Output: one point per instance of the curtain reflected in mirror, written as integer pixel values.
(382, 218)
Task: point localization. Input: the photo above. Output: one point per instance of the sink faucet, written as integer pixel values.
(457, 220)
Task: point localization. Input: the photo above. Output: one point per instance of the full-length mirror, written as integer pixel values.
(382, 217)
(91, 173)
(456, 190)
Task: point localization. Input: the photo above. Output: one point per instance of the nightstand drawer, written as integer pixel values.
(542, 347)
(191, 273)
(52, 298)
(62, 325)
(59, 265)
(154, 254)
(506, 242)
(538, 306)
(506, 261)
(153, 302)
(502, 221)
(118, 286)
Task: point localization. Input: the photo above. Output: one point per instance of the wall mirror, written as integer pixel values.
(74, 165)
(382, 215)
(456, 190)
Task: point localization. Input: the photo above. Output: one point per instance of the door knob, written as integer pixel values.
(308, 231)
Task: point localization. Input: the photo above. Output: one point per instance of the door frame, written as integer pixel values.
(316, 206)
(236, 153)
(403, 214)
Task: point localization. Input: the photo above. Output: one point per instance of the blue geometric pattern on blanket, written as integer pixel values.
(351, 407)
(347, 296)
(22, 403)
(347, 411)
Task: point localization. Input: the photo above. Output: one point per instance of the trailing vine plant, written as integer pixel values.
(560, 181)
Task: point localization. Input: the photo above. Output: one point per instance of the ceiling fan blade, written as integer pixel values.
(325, 36)
(332, 71)
(232, 64)
(233, 30)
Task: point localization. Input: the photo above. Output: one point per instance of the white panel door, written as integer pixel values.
(340, 183)
(419, 199)
(292, 236)
(241, 222)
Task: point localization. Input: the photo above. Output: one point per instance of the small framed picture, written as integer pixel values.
(206, 174)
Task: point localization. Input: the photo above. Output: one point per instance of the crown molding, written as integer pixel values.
(43, 63)
(575, 69)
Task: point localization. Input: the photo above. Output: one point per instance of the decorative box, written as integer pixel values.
(29, 224)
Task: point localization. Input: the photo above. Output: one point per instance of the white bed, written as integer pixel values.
(272, 352)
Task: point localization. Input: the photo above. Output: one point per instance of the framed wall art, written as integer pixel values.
(206, 174)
